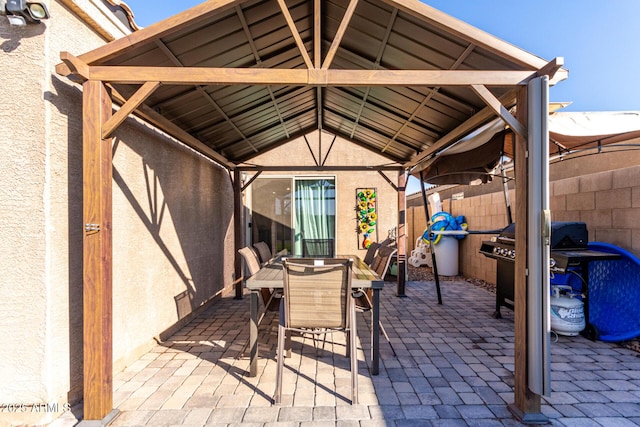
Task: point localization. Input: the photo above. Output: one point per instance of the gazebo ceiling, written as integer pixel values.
(235, 79)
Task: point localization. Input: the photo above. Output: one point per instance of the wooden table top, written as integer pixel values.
(270, 276)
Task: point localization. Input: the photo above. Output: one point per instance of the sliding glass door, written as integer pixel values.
(284, 218)
(315, 213)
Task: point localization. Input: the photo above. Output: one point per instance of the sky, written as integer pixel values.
(598, 39)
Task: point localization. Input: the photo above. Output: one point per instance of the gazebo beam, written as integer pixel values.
(301, 77)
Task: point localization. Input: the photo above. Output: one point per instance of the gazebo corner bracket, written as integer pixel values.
(128, 107)
(72, 65)
(552, 69)
(502, 112)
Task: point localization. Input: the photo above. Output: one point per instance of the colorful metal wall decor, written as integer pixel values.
(367, 216)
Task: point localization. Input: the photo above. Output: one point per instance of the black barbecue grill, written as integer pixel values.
(568, 248)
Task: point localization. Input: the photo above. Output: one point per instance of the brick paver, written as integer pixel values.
(454, 367)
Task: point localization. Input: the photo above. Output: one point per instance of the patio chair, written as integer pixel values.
(270, 298)
(317, 248)
(371, 253)
(317, 299)
(362, 297)
(382, 260)
(264, 252)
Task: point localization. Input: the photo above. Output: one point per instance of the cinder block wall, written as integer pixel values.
(608, 202)
(603, 191)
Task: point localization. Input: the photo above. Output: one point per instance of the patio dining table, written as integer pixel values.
(271, 276)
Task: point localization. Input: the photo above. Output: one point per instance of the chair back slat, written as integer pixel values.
(383, 260)
(371, 253)
(317, 296)
(251, 260)
(263, 250)
(319, 248)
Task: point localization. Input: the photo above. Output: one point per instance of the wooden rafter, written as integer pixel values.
(256, 55)
(376, 66)
(335, 44)
(206, 95)
(429, 96)
(295, 33)
(317, 33)
(500, 110)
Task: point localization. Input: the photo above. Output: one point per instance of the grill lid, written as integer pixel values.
(564, 235)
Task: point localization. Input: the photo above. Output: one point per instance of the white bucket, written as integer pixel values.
(447, 256)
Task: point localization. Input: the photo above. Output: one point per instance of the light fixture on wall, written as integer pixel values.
(23, 12)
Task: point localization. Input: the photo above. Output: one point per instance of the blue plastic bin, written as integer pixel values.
(614, 294)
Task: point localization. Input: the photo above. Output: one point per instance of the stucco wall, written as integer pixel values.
(343, 153)
(172, 222)
(601, 190)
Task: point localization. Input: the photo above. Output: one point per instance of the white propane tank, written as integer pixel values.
(567, 312)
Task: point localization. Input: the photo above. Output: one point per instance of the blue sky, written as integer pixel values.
(599, 40)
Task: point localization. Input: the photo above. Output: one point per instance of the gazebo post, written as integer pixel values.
(527, 403)
(238, 230)
(401, 238)
(97, 257)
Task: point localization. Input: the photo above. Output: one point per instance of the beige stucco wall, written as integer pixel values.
(172, 222)
(342, 153)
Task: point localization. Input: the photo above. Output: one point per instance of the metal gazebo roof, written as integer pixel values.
(234, 79)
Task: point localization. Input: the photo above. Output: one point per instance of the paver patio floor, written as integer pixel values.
(454, 367)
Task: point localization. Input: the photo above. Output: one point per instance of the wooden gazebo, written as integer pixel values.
(233, 79)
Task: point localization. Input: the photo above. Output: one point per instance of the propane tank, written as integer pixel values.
(567, 312)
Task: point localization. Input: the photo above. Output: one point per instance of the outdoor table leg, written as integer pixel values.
(375, 333)
(253, 335)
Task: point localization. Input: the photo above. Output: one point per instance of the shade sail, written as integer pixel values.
(475, 156)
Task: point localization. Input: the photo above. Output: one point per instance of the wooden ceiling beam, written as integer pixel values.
(295, 33)
(428, 97)
(383, 46)
(337, 40)
(297, 77)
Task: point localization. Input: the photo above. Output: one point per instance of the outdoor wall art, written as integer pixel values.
(367, 216)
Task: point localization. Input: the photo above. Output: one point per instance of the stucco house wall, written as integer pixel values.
(342, 153)
(602, 190)
(172, 221)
